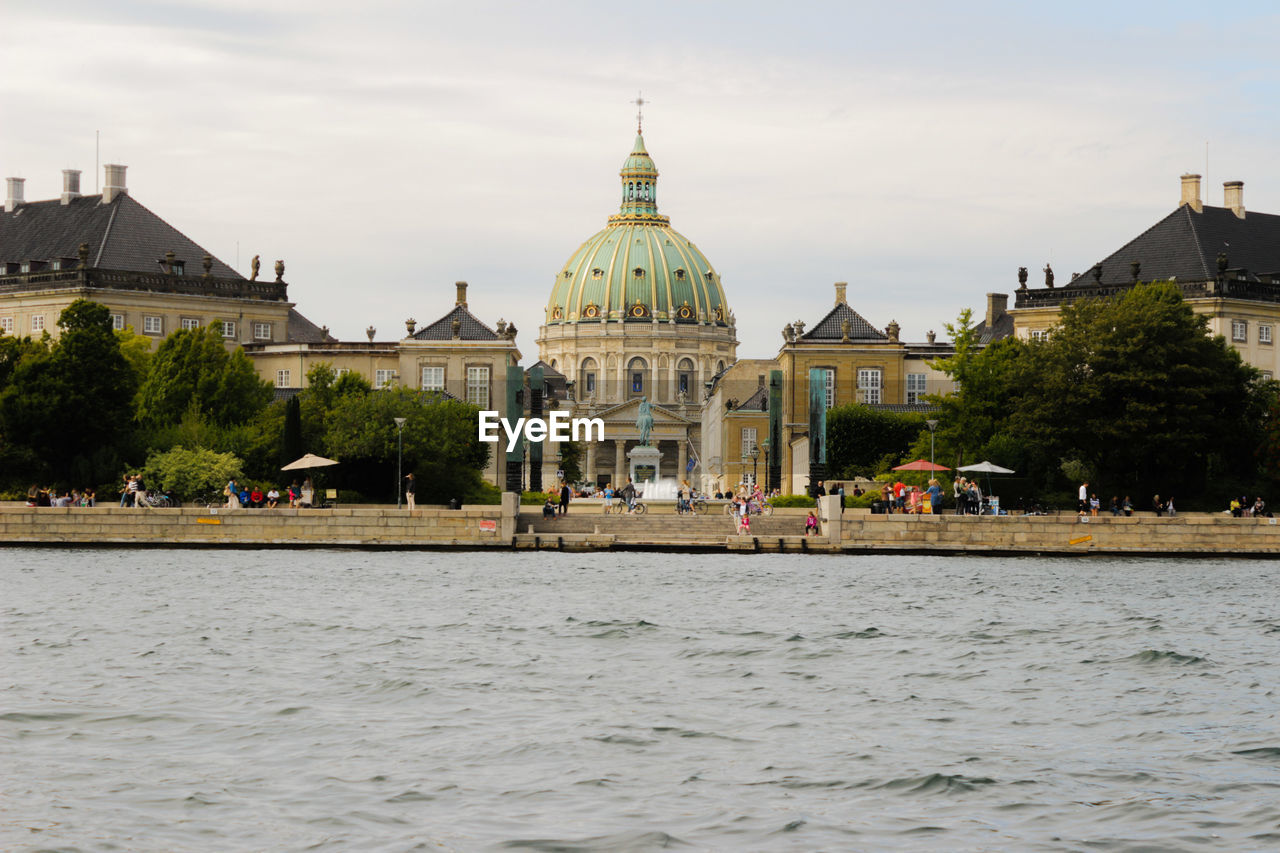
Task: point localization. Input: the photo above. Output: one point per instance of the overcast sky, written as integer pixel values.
(385, 150)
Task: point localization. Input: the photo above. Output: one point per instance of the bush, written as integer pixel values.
(862, 501)
(191, 473)
(485, 494)
(539, 498)
(792, 500)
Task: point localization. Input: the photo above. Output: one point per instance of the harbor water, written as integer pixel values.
(202, 700)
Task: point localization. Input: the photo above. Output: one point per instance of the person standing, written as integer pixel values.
(608, 498)
(139, 492)
(935, 497)
(629, 494)
(232, 492)
(409, 485)
(565, 495)
(308, 493)
(840, 492)
(1083, 505)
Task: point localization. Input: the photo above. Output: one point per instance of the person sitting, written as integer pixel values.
(255, 497)
(1157, 506)
(548, 509)
(811, 524)
(273, 497)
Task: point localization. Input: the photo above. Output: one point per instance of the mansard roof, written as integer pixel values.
(1185, 245)
(830, 327)
(470, 328)
(303, 331)
(122, 235)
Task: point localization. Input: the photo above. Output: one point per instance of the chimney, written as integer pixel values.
(840, 288)
(14, 198)
(115, 184)
(1233, 197)
(70, 185)
(1191, 193)
(997, 307)
(462, 293)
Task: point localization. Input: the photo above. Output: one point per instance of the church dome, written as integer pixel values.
(638, 268)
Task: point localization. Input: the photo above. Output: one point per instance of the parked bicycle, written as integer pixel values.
(753, 508)
(162, 500)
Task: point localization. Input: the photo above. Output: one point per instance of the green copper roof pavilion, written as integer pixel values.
(638, 269)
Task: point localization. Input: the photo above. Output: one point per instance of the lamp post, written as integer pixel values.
(768, 484)
(399, 455)
(755, 457)
(932, 424)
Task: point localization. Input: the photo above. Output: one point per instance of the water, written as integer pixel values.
(397, 701)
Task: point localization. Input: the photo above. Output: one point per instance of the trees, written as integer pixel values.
(1132, 387)
(192, 370)
(859, 438)
(71, 404)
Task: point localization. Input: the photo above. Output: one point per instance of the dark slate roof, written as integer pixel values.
(303, 331)
(1001, 328)
(757, 402)
(829, 327)
(548, 372)
(471, 329)
(122, 235)
(904, 408)
(1185, 245)
(279, 394)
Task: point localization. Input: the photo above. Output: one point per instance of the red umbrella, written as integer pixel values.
(921, 465)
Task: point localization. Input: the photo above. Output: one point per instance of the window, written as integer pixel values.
(1039, 334)
(37, 323)
(178, 267)
(383, 378)
(433, 379)
(283, 379)
(478, 386)
(117, 321)
(339, 372)
(153, 325)
(1264, 333)
(190, 323)
(636, 370)
(262, 331)
(869, 385)
(1266, 376)
(684, 376)
(915, 387)
(228, 328)
(589, 382)
(6, 324)
(587, 376)
(1239, 330)
(828, 386)
(748, 440)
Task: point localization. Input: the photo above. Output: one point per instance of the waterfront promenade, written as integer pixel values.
(586, 528)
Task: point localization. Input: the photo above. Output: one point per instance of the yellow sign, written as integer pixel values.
(208, 521)
(1079, 540)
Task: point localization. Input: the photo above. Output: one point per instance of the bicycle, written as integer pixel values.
(638, 508)
(753, 508)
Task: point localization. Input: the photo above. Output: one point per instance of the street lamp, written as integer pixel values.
(932, 424)
(755, 457)
(399, 455)
(768, 470)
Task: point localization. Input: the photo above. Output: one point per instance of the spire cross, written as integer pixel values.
(639, 102)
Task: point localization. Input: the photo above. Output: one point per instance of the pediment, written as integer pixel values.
(628, 411)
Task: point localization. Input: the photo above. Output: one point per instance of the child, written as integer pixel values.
(744, 526)
(608, 497)
(811, 524)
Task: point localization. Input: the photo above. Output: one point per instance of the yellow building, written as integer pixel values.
(1225, 260)
(111, 249)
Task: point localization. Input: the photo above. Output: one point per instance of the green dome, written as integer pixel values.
(638, 268)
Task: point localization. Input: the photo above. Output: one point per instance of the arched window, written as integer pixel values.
(637, 377)
(719, 367)
(587, 378)
(684, 377)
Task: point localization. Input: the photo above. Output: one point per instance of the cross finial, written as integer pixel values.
(639, 102)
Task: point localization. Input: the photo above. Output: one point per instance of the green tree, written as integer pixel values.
(191, 473)
(863, 441)
(72, 405)
(192, 370)
(292, 447)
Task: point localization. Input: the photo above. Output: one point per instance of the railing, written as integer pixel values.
(1221, 288)
(237, 288)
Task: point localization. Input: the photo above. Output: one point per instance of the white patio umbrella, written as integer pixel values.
(309, 461)
(988, 468)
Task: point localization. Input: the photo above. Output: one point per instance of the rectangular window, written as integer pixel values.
(433, 379)
(190, 323)
(6, 324)
(153, 325)
(915, 387)
(590, 379)
(284, 379)
(748, 440)
(339, 372)
(384, 378)
(37, 323)
(228, 328)
(684, 383)
(117, 322)
(828, 386)
(1264, 333)
(478, 386)
(262, 331)
(1266, 376)
(1039, 334)
(637, 382)
(1239, 331)
(869, 385)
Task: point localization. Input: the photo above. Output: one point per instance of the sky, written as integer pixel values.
(920, 152)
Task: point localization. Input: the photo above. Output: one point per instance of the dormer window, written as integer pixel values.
(708, 275)
(568, 274)
(56, 265)
(638, 272)
(178, 267)
(597, 273)
(680, 275)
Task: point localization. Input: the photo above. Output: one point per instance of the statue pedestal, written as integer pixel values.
(644, 463)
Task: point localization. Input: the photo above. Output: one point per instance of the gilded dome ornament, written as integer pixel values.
(592, 311)
(557, 313)
(639, 310)
(685, 312)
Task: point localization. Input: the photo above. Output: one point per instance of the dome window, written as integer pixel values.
(708, 275)
(568, 274)
(638, 272)
(591, 312)
(597, 273)
(680, 275)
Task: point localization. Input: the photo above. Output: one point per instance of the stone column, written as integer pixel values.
(589, 474)
(620, 463)
(683, 459)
